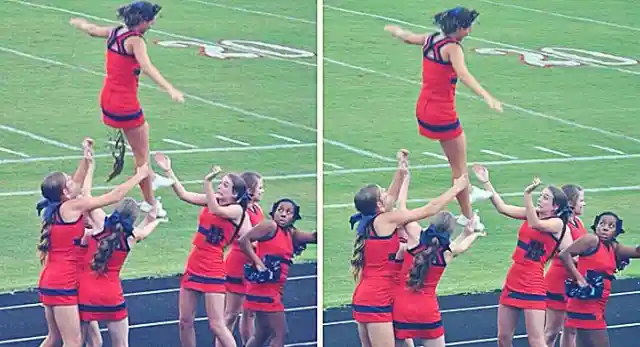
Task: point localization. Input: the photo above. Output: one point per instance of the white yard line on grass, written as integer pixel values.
(391, 169)
(246, 10)
(350, 148)
(557, 14)
(399, 21)
(588, 190)
(38, 137)
(168, 151)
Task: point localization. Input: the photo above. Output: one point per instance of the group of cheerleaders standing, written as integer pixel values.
(83, 249)
(397, 264)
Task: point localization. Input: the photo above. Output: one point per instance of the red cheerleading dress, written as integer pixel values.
(436, 109)
(589, 314)
(373, 297)
(119, 97)
(557, 274)
(235, 260)
(101, 297)
(267, 297)
(58, 284)
(416, 313)
(205, 271)
(524, 286)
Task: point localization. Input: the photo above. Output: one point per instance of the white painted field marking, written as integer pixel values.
(548, 150)
(435, 155)
(588, 190)
(607, 149)
(179, 143)
(38, 137)
(497, 154)
(399, 21)
(10, 151)
(358, 151)
(228, 139)
(470, 96)
(556, 14)
(245, 10)
(168, 151)
(102, 19)
(288, 139)
(335, 166)
(363, 152)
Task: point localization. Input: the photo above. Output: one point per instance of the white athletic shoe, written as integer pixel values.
(161, 181)
(478, 194)
(462, 221)
(146, 208)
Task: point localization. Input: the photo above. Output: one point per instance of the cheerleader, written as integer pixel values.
(278, 241)
(600, 255)
(424, 258)
(235, 261)
(416, 314)
(63, 209)
(556, 275)
(101, 297)
(222, 219)
(376, 244)
(541, 235)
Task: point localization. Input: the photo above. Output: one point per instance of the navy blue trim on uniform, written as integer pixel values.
(372, 309)
(102, 308)
(205, 280)
(417, 326)
(259, 299)
(122, 118)
(440, 128)
(57, 292)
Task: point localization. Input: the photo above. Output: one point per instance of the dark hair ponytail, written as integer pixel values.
(136, 13)
(117, 228)
(52, 189)
(563, 211)
(357, 258)
(456, 18)
(421, 263)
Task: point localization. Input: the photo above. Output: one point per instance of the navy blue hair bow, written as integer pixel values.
(111, 221)
(363, 221)
(443, 237)
(49, 207)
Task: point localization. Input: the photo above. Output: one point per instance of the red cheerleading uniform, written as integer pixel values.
(436, 107)
(205, 270)
(416, 313)
(524, 286)
(58, 284)
(557, 274)
(589, 314)
(101, 297)
(119, 97)
(373, 297)
(235, 260)
(267, 297)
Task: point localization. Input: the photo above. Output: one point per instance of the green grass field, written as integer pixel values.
(588, 113)
(51, 77)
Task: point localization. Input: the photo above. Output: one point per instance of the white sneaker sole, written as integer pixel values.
(161, 182)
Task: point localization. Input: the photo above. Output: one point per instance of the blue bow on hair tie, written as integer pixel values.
(49, 207)
(115, 218)
(444, 238)
(363, 220)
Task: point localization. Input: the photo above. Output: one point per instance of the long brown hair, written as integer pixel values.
(431, 240)
(52, 189)
(366, 202)
(116, 228)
